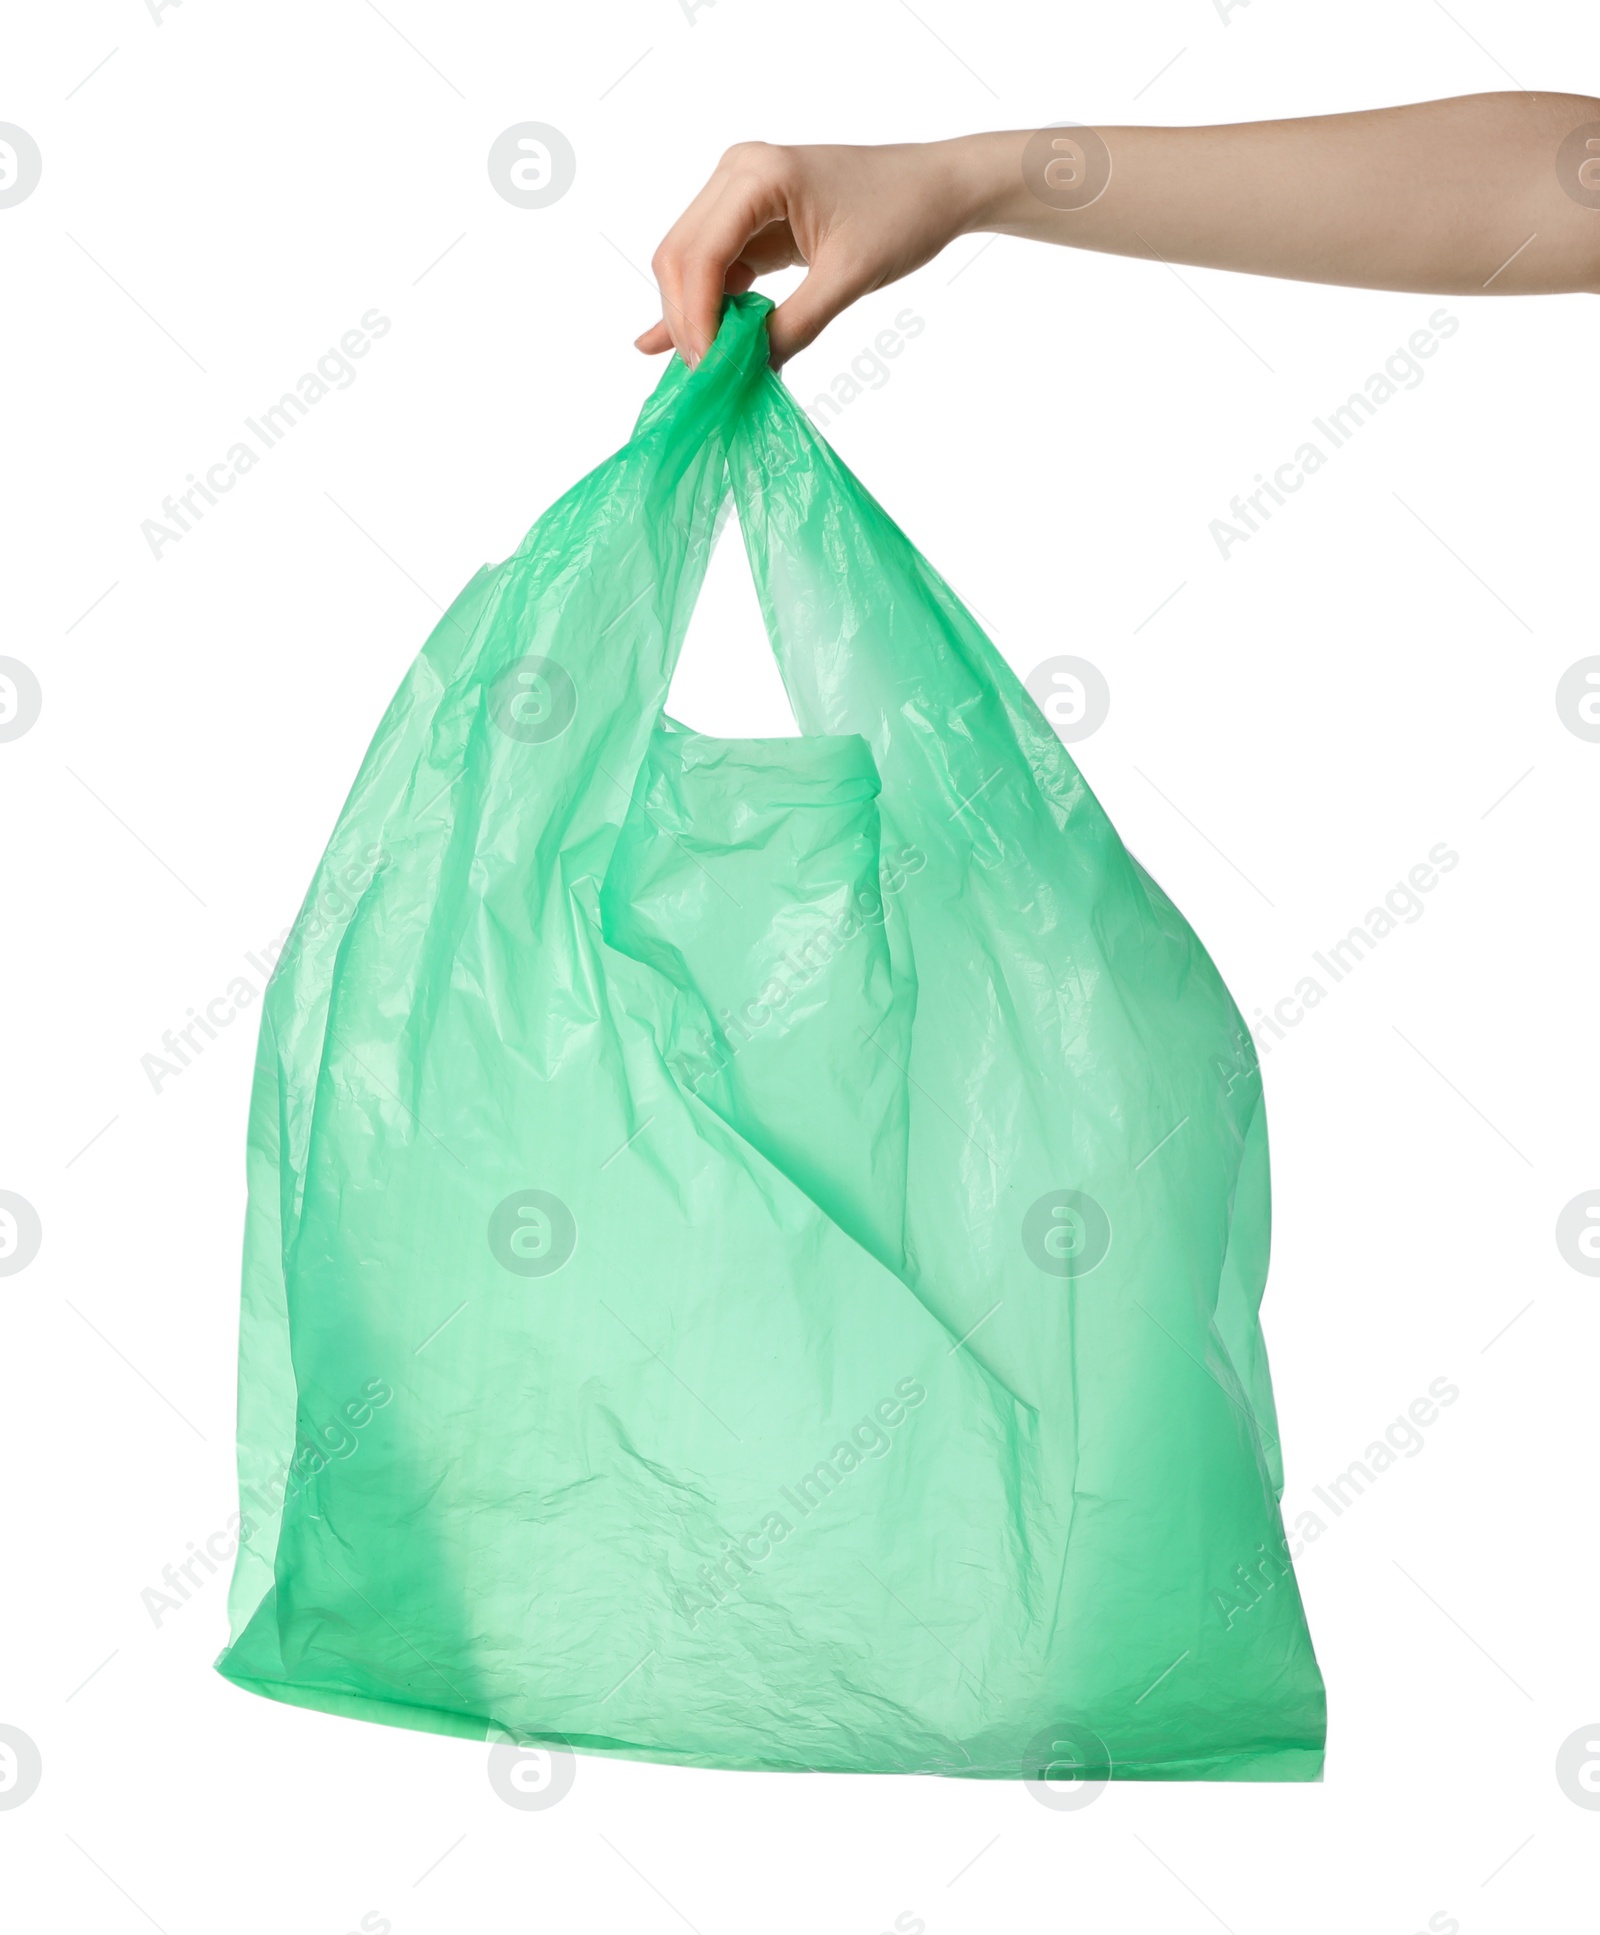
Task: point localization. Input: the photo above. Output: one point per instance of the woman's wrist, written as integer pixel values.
(984, 172)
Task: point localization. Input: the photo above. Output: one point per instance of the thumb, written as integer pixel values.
(801, 317)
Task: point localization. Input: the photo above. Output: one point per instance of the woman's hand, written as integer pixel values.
(1495, 194)
(856, 218)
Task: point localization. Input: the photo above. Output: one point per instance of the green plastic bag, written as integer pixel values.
(755, 1246)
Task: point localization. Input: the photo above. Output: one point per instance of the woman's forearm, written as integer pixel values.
(1459, 197)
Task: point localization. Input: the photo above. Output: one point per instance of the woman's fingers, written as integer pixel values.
(801, 317)
(735, 229)
(691, 263)
(658, 337)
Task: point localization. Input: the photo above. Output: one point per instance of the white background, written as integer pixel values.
(1372, 673)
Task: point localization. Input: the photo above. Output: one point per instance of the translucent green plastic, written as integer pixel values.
(755, 1246)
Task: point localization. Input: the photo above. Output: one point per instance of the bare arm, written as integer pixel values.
(1487, 194)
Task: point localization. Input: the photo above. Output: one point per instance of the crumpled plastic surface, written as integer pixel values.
(754, 1246)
